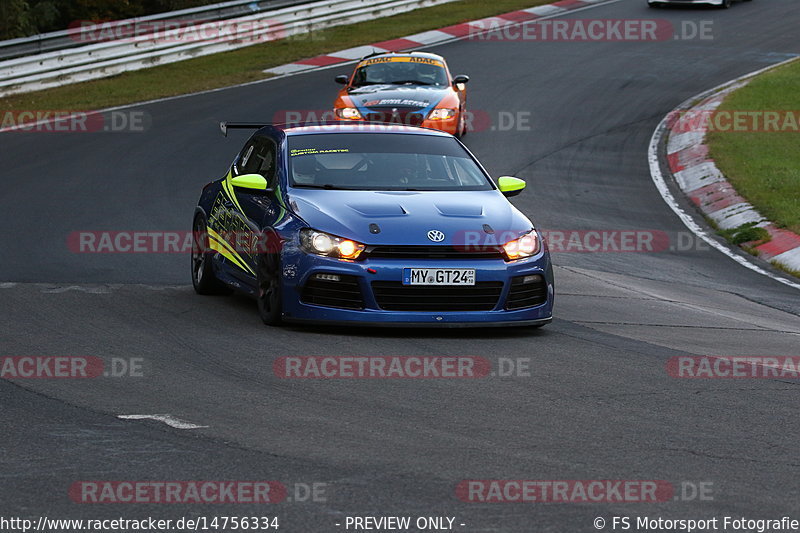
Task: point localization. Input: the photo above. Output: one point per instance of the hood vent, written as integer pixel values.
(378, 210)
(460, 210)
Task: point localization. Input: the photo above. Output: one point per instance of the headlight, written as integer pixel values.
(525, 246)
(442, 114)
(319, 243)
(348, 113)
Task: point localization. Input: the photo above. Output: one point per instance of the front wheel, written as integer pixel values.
(726, 4)
(203, 278)
(270, 302)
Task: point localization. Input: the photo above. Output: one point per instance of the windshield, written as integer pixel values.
(400, 71)
(380, 161)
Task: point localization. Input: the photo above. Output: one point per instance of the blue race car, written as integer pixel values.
(374, 224)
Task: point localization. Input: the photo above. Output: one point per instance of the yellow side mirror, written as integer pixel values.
(510, 186)
(250, 181)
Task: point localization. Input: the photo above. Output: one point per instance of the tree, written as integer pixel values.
(20, 18)
(15, 19)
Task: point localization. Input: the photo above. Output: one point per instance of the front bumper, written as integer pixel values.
(450, 125)
(299, 268)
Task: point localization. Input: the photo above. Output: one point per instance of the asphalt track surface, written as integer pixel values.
(597, 405)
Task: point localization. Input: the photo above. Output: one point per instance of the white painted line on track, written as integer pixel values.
(99, 289)
(167, 419)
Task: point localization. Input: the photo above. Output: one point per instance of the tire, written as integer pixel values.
(725, 4)
(462, 125)
(268, 291)
(203, 278)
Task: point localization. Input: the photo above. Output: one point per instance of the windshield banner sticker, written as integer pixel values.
(313, 151)
(401, 59)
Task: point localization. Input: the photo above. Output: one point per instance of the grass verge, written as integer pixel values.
(779, 266)
(746, 233)
(246, 64)
(764, 166)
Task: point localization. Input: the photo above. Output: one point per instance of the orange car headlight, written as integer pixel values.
(525, 246)
(441, 113)
(347, 113)
(319, 243)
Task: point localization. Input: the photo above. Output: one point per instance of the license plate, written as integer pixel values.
(438, 276)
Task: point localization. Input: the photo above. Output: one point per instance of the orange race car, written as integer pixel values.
(412, 88)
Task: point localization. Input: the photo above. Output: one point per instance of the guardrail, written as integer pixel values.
(98, 60)
(64, 39)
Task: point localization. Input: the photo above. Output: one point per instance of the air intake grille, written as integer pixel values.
(433, 252)
(345, 293)
(529, 294)
(394, 296)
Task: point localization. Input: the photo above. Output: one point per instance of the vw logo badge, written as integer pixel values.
(435, 235)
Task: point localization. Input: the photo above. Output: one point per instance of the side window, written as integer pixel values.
(258, 157)
(251, 162)
(242, 164)
(267, 158)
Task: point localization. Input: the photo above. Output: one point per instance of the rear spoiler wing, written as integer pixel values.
(225, 126)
